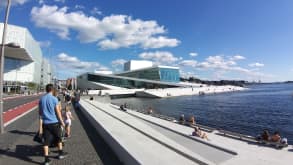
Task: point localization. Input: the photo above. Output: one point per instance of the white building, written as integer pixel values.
(135, 64)
(46, 74)
(103, 72)
(24, 64)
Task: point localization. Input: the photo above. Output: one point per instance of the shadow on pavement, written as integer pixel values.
(291, 150)
(23, 132)
(107, 156)
(24, 152)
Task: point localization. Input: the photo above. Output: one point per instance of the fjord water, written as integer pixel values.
(262, 106)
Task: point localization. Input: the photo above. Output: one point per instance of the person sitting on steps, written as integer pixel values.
(276, 137)
(199, 133)
(192, 120)
(182, 119)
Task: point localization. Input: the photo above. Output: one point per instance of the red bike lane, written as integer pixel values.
(13, 113)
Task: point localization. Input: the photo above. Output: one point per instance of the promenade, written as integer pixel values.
(85, 146)
(103, 134)
(140, 139)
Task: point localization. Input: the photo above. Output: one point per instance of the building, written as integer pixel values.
(24, 64)
(135, 64)
(149, 77)
(71, 83)
(103, 72)
(46, 73)
(157, 73)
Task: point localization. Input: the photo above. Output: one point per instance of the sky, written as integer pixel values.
(248, 40)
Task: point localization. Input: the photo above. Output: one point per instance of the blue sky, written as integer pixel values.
(208, 39)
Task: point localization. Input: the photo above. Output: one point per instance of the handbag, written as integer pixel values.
(38, 138)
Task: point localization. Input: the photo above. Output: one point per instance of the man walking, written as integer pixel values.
(50, 113)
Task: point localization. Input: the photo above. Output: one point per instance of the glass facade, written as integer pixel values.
(149, 74)
(156, 73)
(169, 75)
(124, 82)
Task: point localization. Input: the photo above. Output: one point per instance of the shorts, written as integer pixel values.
(52, 130)
(68, 122)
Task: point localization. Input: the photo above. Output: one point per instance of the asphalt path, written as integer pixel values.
(12, 103)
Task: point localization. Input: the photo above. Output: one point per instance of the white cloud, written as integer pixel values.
(191, 63)
(110, 32)
(187, 74)
(96, 11)
(103, 68)
(44, 44)
(217, 62)
(256, 65)
(237, 57)
(193, 54)
(118, 62)
(71, 63)
(79, 7)
(62, 1)
(159, 57)
(14, 2)
(41, 2)
(221, 65)
(159, 42)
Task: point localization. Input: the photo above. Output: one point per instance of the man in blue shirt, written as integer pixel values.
(50, 113)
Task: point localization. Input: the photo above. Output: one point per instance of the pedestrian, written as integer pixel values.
(76, 99)
(67, 117)
(50, 112)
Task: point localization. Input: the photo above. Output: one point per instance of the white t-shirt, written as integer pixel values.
(68, 117)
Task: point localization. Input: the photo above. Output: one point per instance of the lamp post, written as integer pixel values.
(2, 66)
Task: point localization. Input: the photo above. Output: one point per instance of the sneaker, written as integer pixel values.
(47, 162)
(62, 155)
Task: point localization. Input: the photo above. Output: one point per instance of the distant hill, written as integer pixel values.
(220, 82)
(288, 81)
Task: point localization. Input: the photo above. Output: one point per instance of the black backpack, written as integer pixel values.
(67, 98)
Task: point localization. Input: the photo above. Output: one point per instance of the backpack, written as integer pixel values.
(67, 98)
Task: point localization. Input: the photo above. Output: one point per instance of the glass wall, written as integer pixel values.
(125, 83)
(149, 74)
(169, 75)
(157, 74)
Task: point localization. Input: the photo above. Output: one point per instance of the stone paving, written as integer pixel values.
(84, 146)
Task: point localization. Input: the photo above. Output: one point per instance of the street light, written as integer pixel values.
(2, 66)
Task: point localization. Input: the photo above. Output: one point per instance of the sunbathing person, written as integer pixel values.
(276, 137)
(199, 133)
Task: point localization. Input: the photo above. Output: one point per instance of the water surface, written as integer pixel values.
(263, 106)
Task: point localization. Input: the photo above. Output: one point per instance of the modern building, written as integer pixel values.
(137, 64)
(157, 73)
(148, 77)
(46, 74)
(24, 64)
(71, 83)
